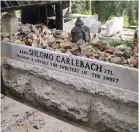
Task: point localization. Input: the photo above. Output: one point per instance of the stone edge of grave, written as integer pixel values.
(131, 73)
(79, 83)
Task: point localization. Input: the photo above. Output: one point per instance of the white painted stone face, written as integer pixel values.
(9, 24)
(114, 26)
(103, 72)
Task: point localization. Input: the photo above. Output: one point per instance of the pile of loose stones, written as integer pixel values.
(40, 36)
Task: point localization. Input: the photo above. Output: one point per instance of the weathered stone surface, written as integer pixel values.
(79, 43)
(121, 47)
(17, 117)
(50, 93)
(9, 24)
(34, 29)
(26, 29)
(112, 109)
(6, 40)
(118, 53)
(65, 44)
(116, 60)
(110, 116)
(87, 50)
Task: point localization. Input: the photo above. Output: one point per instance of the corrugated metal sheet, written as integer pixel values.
(5, 4)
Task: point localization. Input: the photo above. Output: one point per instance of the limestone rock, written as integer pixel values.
(17, 33)
(110, 50)
(26, 29)
(51, 49)
(62, 50)
(19, 42)
(118, 53)
(66, 44)
(68, 52)
(121, 47)
(88, 50)
(95, 40)
(32, 36)
(128, 53)
(34, 45)
(51, 39)
(64, 35)
(58, 50)
(30, 40)
(79, 43)
(6, 39)
(5, 34)
(40, 46)
(133, 62)
(74, 49)
(101, 58)
(59, 40)
(35, 30)
(116, 60)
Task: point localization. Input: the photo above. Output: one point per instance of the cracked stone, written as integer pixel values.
(116, 60)
(6, 39)
(118, 53)
(25, 29)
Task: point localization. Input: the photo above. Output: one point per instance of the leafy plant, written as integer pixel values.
(86, 12)
(126, 21)
(127, 42)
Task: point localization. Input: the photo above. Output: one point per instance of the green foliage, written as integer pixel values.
(111, 17)
(120, 42)
(108, 9)
(86, 12)
(82, 6)
(126, 21)
(78, 6)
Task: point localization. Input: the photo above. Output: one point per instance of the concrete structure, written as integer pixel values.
(17, 117)
(103, 98)
(100, 106)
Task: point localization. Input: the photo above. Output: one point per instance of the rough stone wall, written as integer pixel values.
(102, 107)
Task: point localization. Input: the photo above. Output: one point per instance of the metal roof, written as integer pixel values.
(18, 5)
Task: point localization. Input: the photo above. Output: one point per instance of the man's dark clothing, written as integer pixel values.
(33, 16)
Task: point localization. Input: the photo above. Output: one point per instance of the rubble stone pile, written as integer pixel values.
(40, 36)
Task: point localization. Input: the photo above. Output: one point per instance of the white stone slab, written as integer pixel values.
(9, 24)
(90, 20)
(114, 26)
(94, 27)
(108, 73)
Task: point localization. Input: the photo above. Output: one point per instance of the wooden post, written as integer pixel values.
(59, 17)
(70, 7)
(90, 7)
